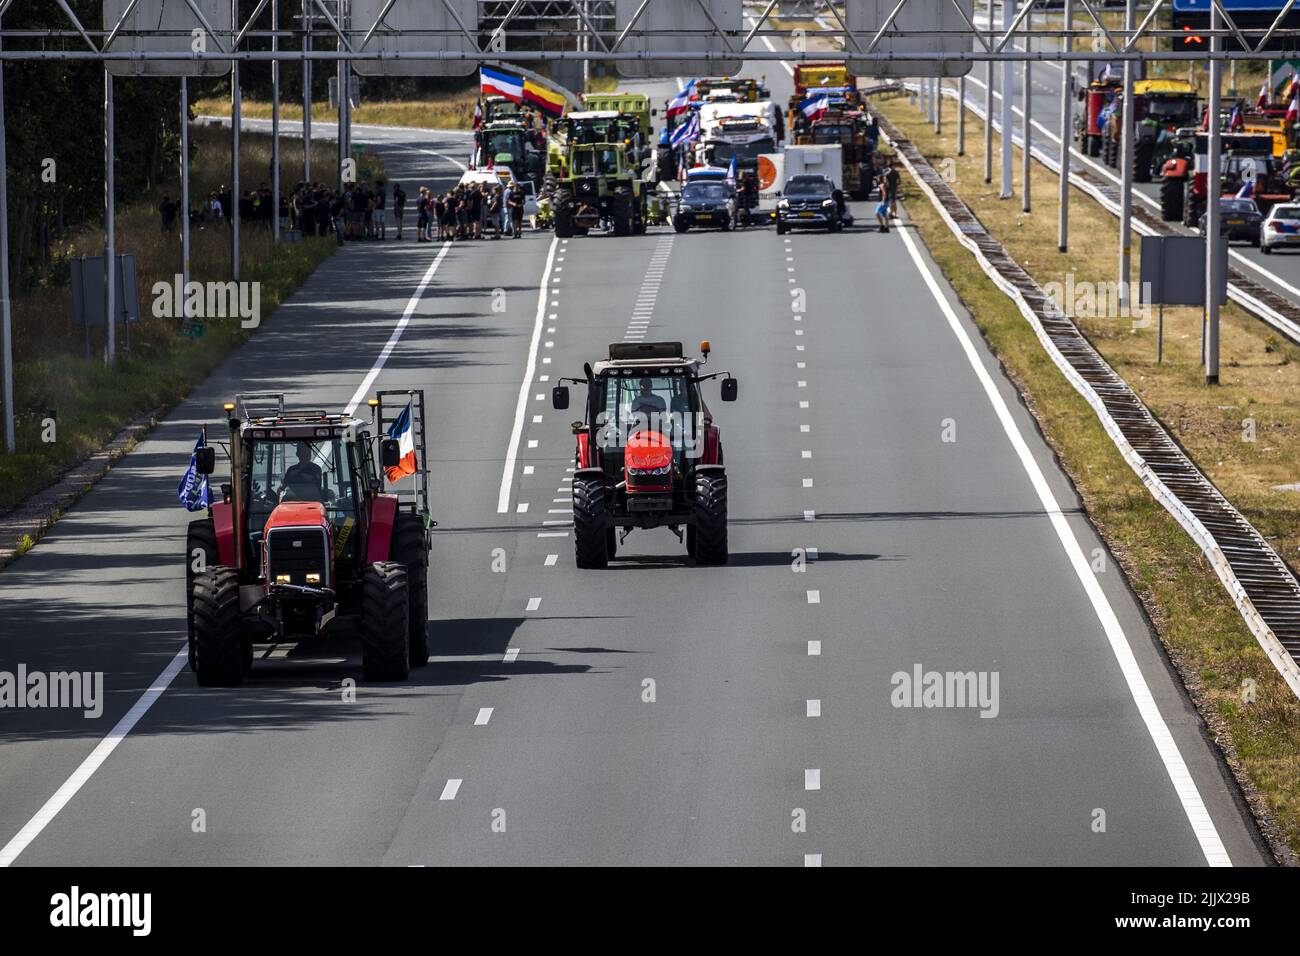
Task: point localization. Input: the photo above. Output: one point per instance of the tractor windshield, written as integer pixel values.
(664, 400)
(506, 142)
(319, 470)
(1173, 110)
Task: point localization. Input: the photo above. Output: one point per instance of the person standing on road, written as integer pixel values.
(381, 200)
(891, 188)
(882, 205)
(515, 210)
(494, 211)
(399, 207)
(422, 215)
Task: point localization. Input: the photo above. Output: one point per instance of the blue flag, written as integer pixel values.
(193, 490)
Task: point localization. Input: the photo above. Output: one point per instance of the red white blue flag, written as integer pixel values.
(401, 430)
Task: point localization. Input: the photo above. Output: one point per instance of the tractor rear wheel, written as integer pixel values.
(200, 550)
(1143, 154)
(1171, 199)
(408, 549)
(218, 640)
(621, 212)
(709, 521)
(665, 164)
(590, 523)
(385, 628)
(564, 214)
(1191, 205)
(611, 542)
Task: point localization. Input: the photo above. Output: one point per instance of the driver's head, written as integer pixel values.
(304, 453)
(647, 386)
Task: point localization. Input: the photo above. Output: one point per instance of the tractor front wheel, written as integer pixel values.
(1171, 199)
(385, 627)
(709, 521)
(621, 212)
(218, 641)
(409, 549)
(590, 523)
(1191, 205)
(564, 212)
(1143, 154)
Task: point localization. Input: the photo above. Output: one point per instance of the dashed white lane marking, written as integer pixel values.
(532, 442)
(814, 597)
(412, 304)
(807, 482)
(1193, 806)
(530, 370)
(557, 522)
(648, 295)
(510, 655)
(537, 419)
(814, 708)
(528, 469)
(805, 428)
(551, 559)
(521, 508)
(451, 788)
(484, 715)
(806, 453)
(812, 554)
(552, 534)
(812, 779)
(812, 859)
(533, 604)
(803, 404)
(809, 514)
(802, 384)
(814, 648)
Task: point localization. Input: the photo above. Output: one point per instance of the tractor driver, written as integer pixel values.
(303, 480)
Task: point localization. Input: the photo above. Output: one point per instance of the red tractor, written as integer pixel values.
(304, 535)
(649, 454)
(1246, 158)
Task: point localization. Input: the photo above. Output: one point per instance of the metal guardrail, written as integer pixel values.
(1260, 584)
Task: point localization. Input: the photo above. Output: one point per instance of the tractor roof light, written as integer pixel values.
(705, 348)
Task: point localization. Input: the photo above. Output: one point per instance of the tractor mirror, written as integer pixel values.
(205, 460)
(560, 397)
(729, 387)
(390, 452)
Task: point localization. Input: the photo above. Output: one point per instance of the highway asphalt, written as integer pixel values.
(655, 712)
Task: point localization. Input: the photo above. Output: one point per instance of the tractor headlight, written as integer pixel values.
(650, 471)
(827, 203)
(283, 579)
(313, 578)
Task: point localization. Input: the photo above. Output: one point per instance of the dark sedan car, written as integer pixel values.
(711, 205)
(1238, 219)
(808, 200)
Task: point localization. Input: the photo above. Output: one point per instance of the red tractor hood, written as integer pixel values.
(298, 514)
(648, 449)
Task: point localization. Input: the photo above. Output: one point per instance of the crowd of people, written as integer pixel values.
(469, 211)
(255, 207)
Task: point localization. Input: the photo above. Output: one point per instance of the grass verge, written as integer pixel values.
(1197, 622)
(449, 112)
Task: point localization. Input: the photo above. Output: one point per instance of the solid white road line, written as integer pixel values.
(1184, 786)
(412, 304)
(86, 770)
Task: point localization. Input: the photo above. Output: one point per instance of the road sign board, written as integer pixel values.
(397, 34)
(659, 17)
(170, 26)
(925, 27)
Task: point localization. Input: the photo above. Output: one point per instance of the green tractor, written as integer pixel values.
(600, 185)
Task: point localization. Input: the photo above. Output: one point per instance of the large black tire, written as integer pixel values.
(590, 523)
(384, 624)
(410, 551)
(1143, 154)
(564, 214)
(1191, 205)
(201, 549)
(620, 213)
(709, 520)
(665, 164)
(219, 652)
(1171, 200)
(611, 542)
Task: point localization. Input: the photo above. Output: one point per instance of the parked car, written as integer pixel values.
(1281, 228)
(1238, 219)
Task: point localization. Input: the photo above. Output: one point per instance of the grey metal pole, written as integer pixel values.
(988, 108)
(6, 326)
(938, 105)
(1213, 188)
(961, 116)
(306, 92)
(340, 83)
(110, 240)
(1008, 95)
(1067, 80)
(1127, 132)
(275, 122)
(236, 120)
(185, 183)
(925, 99)
(1026, 138)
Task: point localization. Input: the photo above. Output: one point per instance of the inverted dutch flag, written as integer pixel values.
(680, 103)
(1236, 122)
(401, 430)
(731, 171)
(686, 133)
(1263, 96)
(1293, 111)
(815, 106)
(495, 83)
